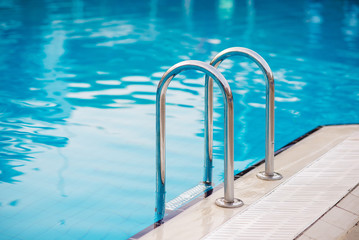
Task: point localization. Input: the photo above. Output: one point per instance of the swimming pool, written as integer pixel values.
(77, 99)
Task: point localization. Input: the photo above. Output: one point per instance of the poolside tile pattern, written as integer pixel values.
(340, 218)
(355, 192)
(343, 221)
(350, 203)
(301, 200)
(324, 231)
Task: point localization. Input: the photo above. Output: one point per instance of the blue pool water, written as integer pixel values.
(77, 100)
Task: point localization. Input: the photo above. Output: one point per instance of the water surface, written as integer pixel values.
(77, 100)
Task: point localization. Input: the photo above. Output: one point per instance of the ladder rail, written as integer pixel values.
(228, 200)
(269, 173)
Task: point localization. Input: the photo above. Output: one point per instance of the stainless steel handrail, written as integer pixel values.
(269, 173)
(228, 200)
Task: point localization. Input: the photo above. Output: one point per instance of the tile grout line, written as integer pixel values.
(336, 205)
(274, 189)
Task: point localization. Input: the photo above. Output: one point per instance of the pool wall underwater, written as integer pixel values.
(77, 100)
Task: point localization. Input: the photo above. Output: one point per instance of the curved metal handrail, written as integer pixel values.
(269, 173)
(228, 200)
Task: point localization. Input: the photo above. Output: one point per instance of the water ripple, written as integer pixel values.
(78, 89)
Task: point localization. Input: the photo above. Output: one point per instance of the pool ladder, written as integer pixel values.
(212, 73)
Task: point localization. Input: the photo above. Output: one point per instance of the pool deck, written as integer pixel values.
(317, 198)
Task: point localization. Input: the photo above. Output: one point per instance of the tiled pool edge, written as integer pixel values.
(294, 205)
(174, 213)
(145, 234)
(343, 224)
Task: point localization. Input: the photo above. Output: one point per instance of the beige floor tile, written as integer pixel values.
(340, 218)
(324, 231)
(350, 203)
(304, 237)
(356, 191)
(353, 234)
(204, 217)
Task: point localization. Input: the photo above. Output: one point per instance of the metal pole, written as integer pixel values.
(228, 200)
(208, 133)
(269, 173)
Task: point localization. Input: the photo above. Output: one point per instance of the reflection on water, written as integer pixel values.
(77, 94)
(314, 21)
(225, 9)
(350, 22)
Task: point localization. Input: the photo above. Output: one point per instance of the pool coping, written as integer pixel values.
(288, 209)
(343, 218)
(260, 164)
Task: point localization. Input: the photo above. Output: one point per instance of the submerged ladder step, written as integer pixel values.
(187, 196)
